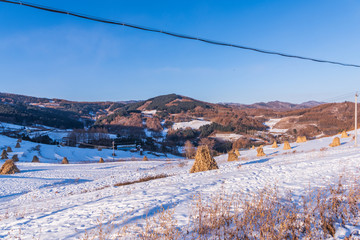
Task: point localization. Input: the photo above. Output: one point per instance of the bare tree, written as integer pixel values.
(189, 149)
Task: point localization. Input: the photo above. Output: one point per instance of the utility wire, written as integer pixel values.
(178, 35)
(340, 97)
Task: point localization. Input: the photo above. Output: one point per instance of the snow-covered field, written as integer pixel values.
(194, 124)
(53, 201)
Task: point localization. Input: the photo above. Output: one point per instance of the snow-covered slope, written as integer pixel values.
(194, 124)
(54, 153)
(54, 201)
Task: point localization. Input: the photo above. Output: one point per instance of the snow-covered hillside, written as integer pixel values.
(53, 201)
(194, 124)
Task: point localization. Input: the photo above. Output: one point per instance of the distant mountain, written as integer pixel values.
(275, 105)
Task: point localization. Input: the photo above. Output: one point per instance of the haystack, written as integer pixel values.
(275, 145)
(237, 152)
(65, 161)
(145, 158)
(344, 134)
(8, 149)
(260, 152)
(232, 156)
(286, 145)
(335, 142)
(9, 167)
(4, 154)
(19, 140)
(15, 158)
(17, 145)
(301, 139)
(253, 147)
(35, 159)
(101, 160)
(203, 160)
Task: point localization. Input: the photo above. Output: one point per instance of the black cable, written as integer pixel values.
(97, 19)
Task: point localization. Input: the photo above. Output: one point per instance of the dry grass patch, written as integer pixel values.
(267, 214)
(144, 179)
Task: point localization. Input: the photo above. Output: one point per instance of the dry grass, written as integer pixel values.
(265, 215)
(268, 215)
(144, 179)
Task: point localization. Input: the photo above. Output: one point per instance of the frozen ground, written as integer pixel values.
(53, 201)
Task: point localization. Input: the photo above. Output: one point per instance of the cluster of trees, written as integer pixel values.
(45, 139)
(84, 108)
(22, 114)
(95, 136)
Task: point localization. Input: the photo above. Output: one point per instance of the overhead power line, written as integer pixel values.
(178, 35)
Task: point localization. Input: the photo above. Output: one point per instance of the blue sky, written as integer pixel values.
(51, 55)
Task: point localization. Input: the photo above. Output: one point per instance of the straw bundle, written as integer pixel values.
(344, 134)
(203, 160)
(65, 161)
(260, 152)
(301, 139)
(15, 158)
(101, 160)
(286, 145)
(9, 167)
(232, 156)
(335, 142)
(35, 159)
(145, 158)
(4, 154)
(275, 145)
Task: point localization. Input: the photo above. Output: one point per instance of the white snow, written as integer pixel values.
(194, 124)
(149, 113)
(271, 123)
(228, 136)
(55, 201)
